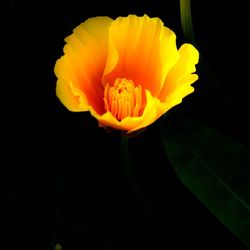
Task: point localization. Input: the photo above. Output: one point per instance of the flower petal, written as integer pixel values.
(140, 49)
(83, 64)
(179, 79)
(131, 124)
(63, 89)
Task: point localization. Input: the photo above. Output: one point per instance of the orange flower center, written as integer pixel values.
(123, 99)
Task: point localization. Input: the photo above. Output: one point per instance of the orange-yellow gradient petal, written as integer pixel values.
(179, 79)
(141, 49)
(127, 72)
(82, 65)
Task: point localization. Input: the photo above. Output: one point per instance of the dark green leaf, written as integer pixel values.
(215, 168)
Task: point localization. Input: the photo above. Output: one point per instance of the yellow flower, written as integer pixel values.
(127, 72)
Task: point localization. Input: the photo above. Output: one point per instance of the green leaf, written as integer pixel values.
(215, 168)
(58, 247)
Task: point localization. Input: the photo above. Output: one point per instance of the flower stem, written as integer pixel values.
(188, 31)
(129, 171)
(186, 21)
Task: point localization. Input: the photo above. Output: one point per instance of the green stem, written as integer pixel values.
(188, 31)
(125, 151)
(129, 171)
(186, 21)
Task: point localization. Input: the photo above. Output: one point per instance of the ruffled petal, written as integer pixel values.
(140, 49)
(179, 79)
(63, 87)
(83, 65)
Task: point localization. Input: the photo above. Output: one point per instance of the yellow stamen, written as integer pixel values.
(123, 99)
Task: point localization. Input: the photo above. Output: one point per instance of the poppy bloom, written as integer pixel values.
(127, 72)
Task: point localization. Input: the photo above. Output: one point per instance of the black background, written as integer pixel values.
(62, 178)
